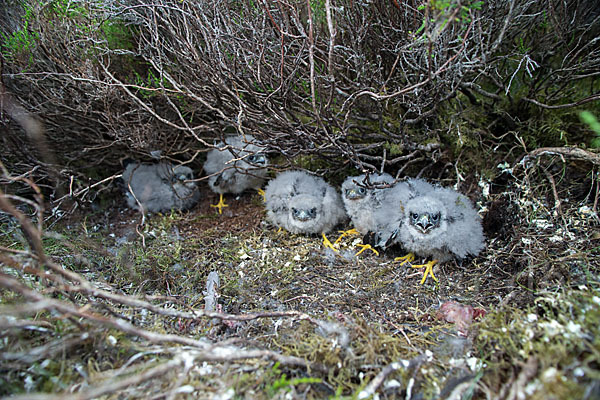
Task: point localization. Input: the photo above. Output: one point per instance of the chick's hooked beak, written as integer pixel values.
(426, 221)
(355, 193)
(304, 215)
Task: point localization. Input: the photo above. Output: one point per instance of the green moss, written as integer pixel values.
(556, 332)
(118, 35)
(20, 44)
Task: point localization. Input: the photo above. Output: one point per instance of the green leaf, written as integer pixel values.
(590, 119)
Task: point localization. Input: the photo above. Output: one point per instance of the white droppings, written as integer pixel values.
(542, 223)
(485, 188)
(392, 383)
(429, 355)
(188, 359)
(555, 239)
(473, 363)
(185, 389)
(205, 369)
(552, 328)
(550, 374)
(574, 328)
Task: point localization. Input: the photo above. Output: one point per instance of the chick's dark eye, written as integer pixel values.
(415, 216)
(435, 217)
(257, 158)
(313, 212)
(294, 211)
(362, 190)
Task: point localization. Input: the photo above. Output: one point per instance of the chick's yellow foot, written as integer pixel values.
(365, 247)
(428, 270)
(263, 194)
(327, 243)
(346, 233)
(220, 205)
(410, 257)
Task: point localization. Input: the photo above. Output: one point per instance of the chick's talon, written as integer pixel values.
(327, 243)
(263, 195)
(365, 247)
(221, 204)
(428, 270)
(410, 257)
(352, 231)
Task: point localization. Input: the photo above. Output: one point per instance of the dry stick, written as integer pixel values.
(332, 34)
(34, 130)
(56, 305)
(568, 105)
(32, 234)
(84, 286)
(110, 387)
(152, 112)
(140, 206)
(311, 59)
(595, 209)
(86, 189)
(282, 52)
(371, 388)
(557, 203)
(569, 152)
(211, 352)
(48, 350)
(376, 96)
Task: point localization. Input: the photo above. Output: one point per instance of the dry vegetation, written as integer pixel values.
(96, 302)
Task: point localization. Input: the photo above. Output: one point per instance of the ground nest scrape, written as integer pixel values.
(364, 324)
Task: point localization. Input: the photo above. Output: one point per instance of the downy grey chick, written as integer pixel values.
(303, 203)
(389, 216)
(363, 203)
(160, 187)
(439, 223)
(238, 164)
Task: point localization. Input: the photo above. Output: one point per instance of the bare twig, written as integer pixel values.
(371, 388)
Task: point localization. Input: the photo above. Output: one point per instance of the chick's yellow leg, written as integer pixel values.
(262, 193)
(428, 270)
(327, 243)
(405, 259)
(221, 204)
(346, 233)
(365, 247)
